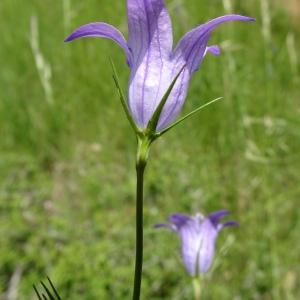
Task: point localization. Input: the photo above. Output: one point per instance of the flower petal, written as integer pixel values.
(101, 30)
(214, 49)
(168, 226)
(179, 219)
(215, 217)
(190, 50)
(208, 235)
(189, 233)
(149, 29)
(188, 228)
(176, 99)
(150, 40)
(192, 47)
(230, 224)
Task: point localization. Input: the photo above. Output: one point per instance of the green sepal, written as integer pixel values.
(187, 116)
(151, 128)
(123, 99)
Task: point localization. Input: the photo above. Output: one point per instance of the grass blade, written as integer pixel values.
(37, 293)
(47, 291)
(54, 289)
(44, 297)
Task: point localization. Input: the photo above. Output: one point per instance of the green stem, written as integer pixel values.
(197, 288)
(142, 155)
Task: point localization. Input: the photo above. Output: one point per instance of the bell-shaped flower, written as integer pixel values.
(198, 236)
(153, 62)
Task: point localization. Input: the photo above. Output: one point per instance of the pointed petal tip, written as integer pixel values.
(246, 18)
(68, 39)
(178, 218)
(249, 19)
(219, 213)
(171, 227)
(216, 216)
(214, 49)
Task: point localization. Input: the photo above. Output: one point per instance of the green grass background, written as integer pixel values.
(67, 177)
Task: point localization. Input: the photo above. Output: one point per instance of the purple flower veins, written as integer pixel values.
(152, 60)
(198, 236)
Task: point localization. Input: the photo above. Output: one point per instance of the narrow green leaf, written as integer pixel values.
(37, 293)
(188, 115)
(155, 118)
(54, 289)
(122, 97)
(47, 291)
(44, 297)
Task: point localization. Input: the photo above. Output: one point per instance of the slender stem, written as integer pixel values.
(142, 154)
(197, 288)
(139, 233)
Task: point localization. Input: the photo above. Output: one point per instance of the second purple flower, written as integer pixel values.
(198, 236)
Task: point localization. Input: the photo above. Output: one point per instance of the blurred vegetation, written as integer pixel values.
(67, 153)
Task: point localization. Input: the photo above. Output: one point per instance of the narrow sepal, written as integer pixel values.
(122, 98)
(155, 118)
(188, 115)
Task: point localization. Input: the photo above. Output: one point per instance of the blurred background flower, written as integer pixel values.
(198, 236)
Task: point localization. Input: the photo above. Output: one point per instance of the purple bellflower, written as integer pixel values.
(153, 62)
(198, 236)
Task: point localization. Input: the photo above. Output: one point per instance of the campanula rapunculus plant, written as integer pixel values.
(198, 236)
(158, 83)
